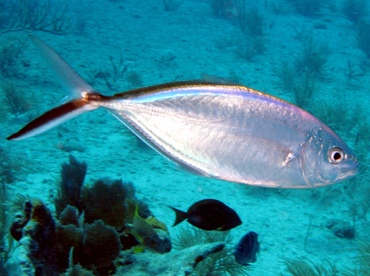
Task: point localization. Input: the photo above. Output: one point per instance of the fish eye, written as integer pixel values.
(335, 155)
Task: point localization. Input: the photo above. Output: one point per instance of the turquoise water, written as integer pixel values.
(312, 54)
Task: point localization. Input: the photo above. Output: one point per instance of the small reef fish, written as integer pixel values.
(147, 236)
(209, 214)
(247, 249)
(223, 131)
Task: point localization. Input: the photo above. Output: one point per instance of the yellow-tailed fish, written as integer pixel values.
(148, 237)
(224, 131)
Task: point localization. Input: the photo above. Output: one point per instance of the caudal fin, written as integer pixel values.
(52, 118)
(180, 215)
(77, 89)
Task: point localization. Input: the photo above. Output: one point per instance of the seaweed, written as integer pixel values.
(111, 77)
(303, 89)
(313, 58)
(363, 259)
(302, 86)
(15, 99)
(35, 15)
(306, 267)
(252, 48)
(134, 78)
(251, 21)
(6, 170)
(11, 51)
(3, 228)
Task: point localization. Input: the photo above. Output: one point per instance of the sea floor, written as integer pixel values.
(151, 46)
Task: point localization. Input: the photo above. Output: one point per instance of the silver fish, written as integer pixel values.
(223, 131)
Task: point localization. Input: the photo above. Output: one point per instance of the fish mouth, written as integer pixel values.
(349, 173)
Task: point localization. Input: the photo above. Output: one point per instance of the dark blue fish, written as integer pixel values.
(209, 214)
(247, 249)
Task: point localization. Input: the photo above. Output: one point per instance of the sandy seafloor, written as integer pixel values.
(161, 47)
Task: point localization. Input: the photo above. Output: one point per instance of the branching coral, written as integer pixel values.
(96, 197)
(72, 178)
(96, 221)
(34, 16)
(100, 246)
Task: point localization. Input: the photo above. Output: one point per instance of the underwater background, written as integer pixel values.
(315, 54)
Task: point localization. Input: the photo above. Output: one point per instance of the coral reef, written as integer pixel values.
(94, 224)
(103, 229)
(96, 197)
(69, 189)
(100, 246)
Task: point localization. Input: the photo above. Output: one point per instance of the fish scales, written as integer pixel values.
(224, 131)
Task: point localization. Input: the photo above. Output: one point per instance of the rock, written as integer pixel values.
(175, 263)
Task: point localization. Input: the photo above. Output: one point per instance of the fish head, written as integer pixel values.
(325, 159)
(159, 243)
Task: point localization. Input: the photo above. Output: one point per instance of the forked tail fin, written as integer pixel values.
(68, 78)
(52, 118)
(79, 92)
(180, 215)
